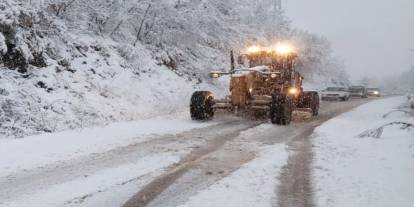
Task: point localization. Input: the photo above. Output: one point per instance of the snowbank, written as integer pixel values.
(350, 170)
(253, 185)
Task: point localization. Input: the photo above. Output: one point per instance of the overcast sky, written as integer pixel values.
(373, 37)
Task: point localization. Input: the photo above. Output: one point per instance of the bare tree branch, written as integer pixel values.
(141, 25)
(377, 133)
(117, 27)
(63, 6)
(149, 27)
(398, 110)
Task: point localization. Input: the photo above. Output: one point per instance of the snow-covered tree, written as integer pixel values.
(3, 46)
(87, 62)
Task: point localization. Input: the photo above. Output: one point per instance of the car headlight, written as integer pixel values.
(293, 91)
(214, 75)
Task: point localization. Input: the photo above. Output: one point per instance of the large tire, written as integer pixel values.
(346, 98)
(281, 110)
(310, 100)
(201, 106)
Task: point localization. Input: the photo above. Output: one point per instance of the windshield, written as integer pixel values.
(335, 89)
(356, 89)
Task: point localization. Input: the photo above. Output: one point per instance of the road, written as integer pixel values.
(222, 155)
(206, 156)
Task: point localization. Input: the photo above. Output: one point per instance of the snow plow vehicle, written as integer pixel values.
(265, 81)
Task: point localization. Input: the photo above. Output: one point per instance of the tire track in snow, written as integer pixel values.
(296, 189)
(39, 179)
(156, 187)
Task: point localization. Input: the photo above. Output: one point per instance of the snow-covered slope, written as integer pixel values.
(353, 169)
(72, 64)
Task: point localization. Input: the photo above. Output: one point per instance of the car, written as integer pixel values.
(374, 92)
(358, 91)
(335, 93)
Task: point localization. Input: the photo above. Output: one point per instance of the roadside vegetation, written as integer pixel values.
(75, 64)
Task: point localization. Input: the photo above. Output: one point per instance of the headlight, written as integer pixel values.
(214, 75)
(250, 90)
(253, 50)
(376, 92)
(283, 49)
(274, 75)
(293, 91)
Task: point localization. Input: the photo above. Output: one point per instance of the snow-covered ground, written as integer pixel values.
(353, 170)
(105, 166)
(113, 185)
(23, 154)
(253, 185)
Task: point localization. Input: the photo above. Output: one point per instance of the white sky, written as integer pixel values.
(373, 37)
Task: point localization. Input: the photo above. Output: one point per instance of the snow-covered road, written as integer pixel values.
(68, 167)
(18, 155)
(165, 163)
(214, 179)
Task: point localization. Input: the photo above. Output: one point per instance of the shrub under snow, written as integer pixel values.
(3, 46)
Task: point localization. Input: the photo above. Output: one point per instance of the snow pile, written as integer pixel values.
(252, 186)
(350, 170)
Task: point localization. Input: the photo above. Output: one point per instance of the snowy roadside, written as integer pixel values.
(350, 170)
(36, 151)
(253, 185)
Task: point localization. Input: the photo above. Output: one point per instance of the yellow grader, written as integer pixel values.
(265, 81)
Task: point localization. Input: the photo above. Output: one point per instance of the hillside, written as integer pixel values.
(79, 63)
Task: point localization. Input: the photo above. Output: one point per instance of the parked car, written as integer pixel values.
(335, 93)
(358, 91)
(374, 92)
